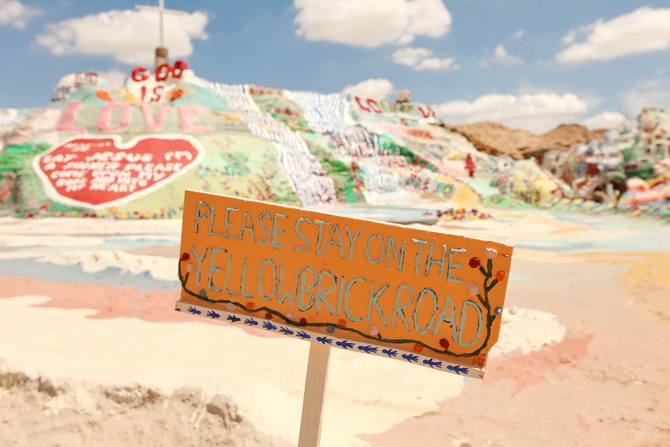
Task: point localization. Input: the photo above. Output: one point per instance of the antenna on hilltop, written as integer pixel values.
(161, 50)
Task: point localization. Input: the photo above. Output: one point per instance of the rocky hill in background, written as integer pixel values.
(496, 139)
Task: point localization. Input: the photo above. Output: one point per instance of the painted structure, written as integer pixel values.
(131, 151)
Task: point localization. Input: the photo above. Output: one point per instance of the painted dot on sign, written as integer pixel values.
(374, 331)
(499, 310)
(185, 257)
(418, 347)
(330, 328)
(291, 314)
(474, 263)
(268, 316)
(250, 305)
(501, 275)
(342, 323)
(230, 307)
(444, 343)
(303, 321)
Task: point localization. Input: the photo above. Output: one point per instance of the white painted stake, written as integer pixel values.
(315, 391)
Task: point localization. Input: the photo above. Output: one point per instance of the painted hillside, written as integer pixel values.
(130, 151)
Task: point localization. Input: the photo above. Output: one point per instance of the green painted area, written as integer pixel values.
(237, 160)
(280, 107)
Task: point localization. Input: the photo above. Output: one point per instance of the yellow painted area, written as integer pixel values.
(464, 196)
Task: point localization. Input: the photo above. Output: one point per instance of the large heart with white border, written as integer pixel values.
(98, 172)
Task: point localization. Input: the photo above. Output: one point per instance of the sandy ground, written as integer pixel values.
(92, 352)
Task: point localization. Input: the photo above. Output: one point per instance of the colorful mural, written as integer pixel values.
(130, 152)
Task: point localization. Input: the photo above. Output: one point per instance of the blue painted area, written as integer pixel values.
(74, 274)
(127, 243)
(641, 235)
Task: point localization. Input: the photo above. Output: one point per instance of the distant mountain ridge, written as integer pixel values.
(496, 139)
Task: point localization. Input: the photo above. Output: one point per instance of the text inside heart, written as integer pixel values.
(100, 171)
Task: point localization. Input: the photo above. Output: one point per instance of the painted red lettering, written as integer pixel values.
(162, 72)
(373, 105)
(157, 93)
(358, 101)
(179, 67)
(139, 74)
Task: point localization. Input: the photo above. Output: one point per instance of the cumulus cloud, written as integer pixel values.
(537, 112)
(650, 93)
(643, 30)
(371, 23)
(518, 34)
(126, 36)
(16, 14)
(609, 120)
(421, 59)
(500, 56)
(372, 88)
(116, 78)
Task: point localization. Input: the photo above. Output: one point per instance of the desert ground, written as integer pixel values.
(93, 353)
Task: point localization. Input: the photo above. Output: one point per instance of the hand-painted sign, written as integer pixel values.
(96, 172)
(415, 295)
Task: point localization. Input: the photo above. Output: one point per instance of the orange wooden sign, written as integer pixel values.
(423, 297)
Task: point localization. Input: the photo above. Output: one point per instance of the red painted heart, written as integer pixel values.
(97, 172)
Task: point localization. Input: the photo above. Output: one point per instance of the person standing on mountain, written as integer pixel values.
(470, 165)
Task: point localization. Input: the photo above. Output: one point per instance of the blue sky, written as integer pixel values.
(525, 63)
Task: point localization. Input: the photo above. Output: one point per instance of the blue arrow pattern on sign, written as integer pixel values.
(325, 340)
(390, 352)
(303, 335)
(345, 344)
(457, 369)
(369, 349)
(269, 326)
(410, 357)
(432, 363)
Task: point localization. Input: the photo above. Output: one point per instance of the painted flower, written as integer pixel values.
(176, 94)
(102, 94)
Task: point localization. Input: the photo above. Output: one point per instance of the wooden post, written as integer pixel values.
(315, 391)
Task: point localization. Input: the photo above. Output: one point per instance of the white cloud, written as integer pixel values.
(372, 88)
(608, 120)
(371, 23)
(537, 112)
(127, 36)
(16, 14)
(651, 93)
(643, 30)
(518, 34)
(116, 78)
(420, 59)
(500, 55)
